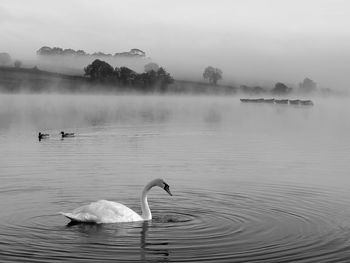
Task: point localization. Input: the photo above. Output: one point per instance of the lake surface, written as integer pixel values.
(251, 182)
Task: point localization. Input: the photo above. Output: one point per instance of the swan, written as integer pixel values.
(104, 211)
(65, 134)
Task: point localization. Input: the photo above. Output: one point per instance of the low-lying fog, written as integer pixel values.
(29, 114)
(253, 42)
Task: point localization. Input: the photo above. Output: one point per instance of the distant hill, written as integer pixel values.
(34, 80)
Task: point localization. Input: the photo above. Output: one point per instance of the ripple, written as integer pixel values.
(284, 224)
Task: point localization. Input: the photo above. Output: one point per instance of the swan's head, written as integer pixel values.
(164, 185)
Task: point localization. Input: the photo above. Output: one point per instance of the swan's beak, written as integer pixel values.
(166, 188)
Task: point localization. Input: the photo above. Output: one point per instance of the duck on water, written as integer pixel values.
(66, 134)
(104, 211)
(43, 136)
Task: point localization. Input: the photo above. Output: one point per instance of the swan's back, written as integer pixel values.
(103, 211)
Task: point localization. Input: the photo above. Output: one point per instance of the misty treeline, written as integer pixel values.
(154, 77)
(14, 76)
(306, 86)
(57, 51)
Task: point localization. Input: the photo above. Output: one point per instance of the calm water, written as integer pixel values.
(251, 182)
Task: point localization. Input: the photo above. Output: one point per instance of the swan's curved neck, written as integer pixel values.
(146, 212)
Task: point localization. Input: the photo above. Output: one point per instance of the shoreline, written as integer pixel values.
(34, 80)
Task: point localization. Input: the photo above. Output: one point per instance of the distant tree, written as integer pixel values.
(137, 52)
(149, 78)
(164, 78)
(308, 85)
(5, 59)
(99, 70)
(44, 51)
(54, 51)
(18, 64)
(280, 88)
(127, 76)
(151, 66)
(253, 90)
(68, 52)
(47, 51)
(258, 90)
(101, 54)
(212, 74)
(80, 53)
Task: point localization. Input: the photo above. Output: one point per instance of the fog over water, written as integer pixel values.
(31, 113)
(251, 182)
(326, 124)
(253, 42)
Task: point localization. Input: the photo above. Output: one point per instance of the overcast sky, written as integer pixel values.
(252, 41)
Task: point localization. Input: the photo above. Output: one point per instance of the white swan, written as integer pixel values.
(104, 211)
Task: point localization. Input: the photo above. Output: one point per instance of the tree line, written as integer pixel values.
(57, 51)
(154, 78)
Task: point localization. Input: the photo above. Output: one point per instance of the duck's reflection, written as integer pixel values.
(152, 251)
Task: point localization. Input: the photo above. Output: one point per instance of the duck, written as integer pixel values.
(104, 211)
(66, 134)
(42, 136)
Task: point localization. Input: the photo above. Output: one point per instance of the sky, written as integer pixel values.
(255, 42)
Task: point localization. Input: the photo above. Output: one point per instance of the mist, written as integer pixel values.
(29, 114)
(253, 42)
(255, 150)
(72, 65)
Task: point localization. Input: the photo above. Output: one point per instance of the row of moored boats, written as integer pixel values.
(280, 101)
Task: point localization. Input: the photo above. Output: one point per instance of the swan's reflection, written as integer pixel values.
(99, 231)
(87, 228)
(152, 251)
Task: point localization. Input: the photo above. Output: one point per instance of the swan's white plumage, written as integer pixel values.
(104, 211)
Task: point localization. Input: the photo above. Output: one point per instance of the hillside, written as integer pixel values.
(32, 79)
(35, 80)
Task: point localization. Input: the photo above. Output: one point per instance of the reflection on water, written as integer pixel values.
(154, 251)
(251, 183)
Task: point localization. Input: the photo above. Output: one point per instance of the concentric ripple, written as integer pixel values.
(284, 224)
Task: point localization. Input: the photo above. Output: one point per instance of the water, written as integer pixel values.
(251, 183)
